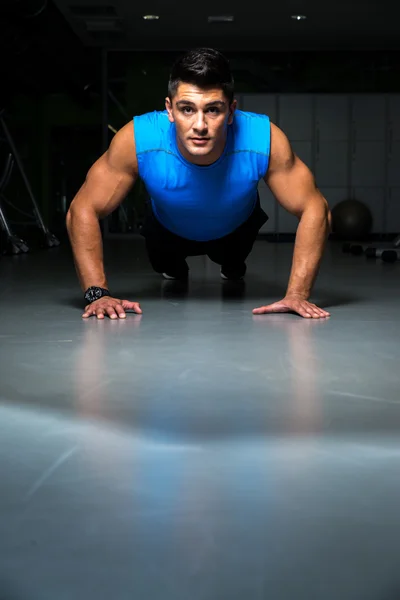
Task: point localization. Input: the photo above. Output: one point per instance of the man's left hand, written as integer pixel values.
(293, 304)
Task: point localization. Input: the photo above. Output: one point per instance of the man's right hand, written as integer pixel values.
(111, 307)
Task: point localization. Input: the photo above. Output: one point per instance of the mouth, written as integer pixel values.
(200, 141)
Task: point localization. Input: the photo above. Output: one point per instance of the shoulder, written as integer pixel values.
(151, 130)
(121, 153)
(247, 120)
(251, 131)
(281, 156)
(155, 117)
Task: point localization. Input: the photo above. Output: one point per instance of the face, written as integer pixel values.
(201, 117)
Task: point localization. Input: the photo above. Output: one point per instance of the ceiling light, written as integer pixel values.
(220, 19)
(299, 17)
(151, 17)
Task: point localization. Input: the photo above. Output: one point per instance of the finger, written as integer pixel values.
(120, 311)
(88, 311)
(318, 314)
(320, 311)
(111, 312)
(312, 309)
(100, 313)
(263, 310)
(270, 308)
(135, 306)
(308, 310)
(304, 311)
(260, 310)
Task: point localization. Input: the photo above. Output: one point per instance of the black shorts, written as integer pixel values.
(168, 252)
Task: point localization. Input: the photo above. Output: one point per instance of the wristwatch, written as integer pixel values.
(94, 293)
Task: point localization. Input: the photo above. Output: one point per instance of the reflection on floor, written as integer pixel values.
(198, 451)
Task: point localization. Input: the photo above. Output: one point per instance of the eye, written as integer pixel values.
(187, 110)
(214, 110)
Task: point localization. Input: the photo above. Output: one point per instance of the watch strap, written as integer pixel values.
(94, 293)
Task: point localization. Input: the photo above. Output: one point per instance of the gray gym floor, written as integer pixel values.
(197, 451)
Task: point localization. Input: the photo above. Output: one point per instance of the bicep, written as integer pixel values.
(292, 186)
(288, 177)
(110, 178)
(106, 187)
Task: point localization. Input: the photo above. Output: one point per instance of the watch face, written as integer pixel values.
(93, 294)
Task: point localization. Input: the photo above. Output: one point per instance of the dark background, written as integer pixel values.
(53, 57)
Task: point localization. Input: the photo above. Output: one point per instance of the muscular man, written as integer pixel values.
(201, 161)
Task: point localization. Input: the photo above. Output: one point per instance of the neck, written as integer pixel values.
(207, 160)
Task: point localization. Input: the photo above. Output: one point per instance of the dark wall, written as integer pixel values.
(51, 92)
(142, 79)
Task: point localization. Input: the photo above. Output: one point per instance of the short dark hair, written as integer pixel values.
(203, 67)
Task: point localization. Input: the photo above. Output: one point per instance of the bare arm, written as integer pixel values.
(107, 183)
(293, 185)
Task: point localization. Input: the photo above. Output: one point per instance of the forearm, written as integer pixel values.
(87, 247)
(312, 234)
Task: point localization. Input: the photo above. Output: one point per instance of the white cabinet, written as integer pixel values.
(296, 119)
(393, 164)
(332, 164)
(392, 213)
(265, 104)
(369, 154)
(392, 210)
(332, 117)
(296, 116)
(393, 138)
(394, 116)
(351, 143)
(374, 198)
(368, 163)
(332, 120)
(368, 116)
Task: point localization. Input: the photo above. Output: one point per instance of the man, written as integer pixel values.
(201, 161)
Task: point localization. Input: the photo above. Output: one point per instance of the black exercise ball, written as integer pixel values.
(351, 220)
(389, 256)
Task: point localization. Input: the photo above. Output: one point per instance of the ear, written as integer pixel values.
(168, 106)
(232, 109)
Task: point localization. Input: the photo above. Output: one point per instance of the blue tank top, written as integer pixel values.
(202, 202)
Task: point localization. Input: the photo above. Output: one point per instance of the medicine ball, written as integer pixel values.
(351, 220)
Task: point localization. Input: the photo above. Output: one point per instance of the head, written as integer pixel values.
(200, 102)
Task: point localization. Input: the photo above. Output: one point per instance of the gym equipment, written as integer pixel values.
(351, 220)
(354, 248)
(386, 251)
(14, 243)
(390, 255)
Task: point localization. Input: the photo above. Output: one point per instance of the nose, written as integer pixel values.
(200, 124)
